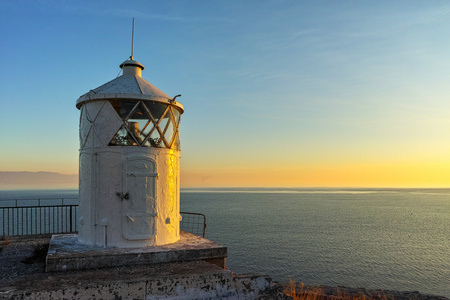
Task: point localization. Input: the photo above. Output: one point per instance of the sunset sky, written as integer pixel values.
(276, 93)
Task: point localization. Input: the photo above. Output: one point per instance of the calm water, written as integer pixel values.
(379, 238)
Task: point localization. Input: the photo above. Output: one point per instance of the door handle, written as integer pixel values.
(122, 196)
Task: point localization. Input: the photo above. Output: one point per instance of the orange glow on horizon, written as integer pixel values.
(356, 175)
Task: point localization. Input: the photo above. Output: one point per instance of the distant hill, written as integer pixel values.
(36, 180)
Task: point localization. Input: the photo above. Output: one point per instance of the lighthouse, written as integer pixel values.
(128, 243)
(129, 163)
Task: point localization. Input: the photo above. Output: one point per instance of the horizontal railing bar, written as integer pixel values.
(191, 213)
(34, 206)
(36, 199)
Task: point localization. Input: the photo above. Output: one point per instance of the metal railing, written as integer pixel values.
(194, 223)
(37, 216)
(44, 216)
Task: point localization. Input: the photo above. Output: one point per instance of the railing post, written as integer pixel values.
(70, 211)
(204, 226)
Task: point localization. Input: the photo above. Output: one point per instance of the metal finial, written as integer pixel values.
(132, 42)
(173, 99)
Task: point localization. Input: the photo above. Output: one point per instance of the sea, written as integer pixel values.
(390, 239)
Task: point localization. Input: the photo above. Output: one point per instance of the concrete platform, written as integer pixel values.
(181, 281)
(23, 276)
(66, 253)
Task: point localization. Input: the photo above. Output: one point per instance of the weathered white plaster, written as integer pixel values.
(129, 195)
(149, 217)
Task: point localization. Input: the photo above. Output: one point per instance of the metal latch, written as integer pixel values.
(122, 196)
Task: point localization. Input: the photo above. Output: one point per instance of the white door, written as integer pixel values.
(139, 201)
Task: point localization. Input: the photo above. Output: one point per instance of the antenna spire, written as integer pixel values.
(132, 42)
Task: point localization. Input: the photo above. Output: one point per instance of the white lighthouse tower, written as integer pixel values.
(129, 191)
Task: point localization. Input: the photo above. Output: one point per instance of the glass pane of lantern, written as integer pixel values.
(176, 114)
(139, 122)
(163, 124)
(170, 132)
(169, 129)
(123, 107)
(154, 140)
(156, 109)
(122, 138)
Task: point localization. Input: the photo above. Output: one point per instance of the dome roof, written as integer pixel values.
(130, 85)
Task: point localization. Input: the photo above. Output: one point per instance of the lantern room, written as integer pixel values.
(129, 163)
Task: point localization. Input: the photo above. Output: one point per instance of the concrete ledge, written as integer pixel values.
(182, 281)
(66, 253)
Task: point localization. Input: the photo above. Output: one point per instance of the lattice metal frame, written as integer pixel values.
(147, 140)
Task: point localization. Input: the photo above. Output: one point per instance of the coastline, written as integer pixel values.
(323, 292)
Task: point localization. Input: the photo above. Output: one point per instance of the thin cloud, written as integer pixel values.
(125, 13)
(162, 17)
(438, 14)
(98, 9)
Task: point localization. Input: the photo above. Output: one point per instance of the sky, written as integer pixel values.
(276, 93)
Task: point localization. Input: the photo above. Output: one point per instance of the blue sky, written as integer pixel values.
(268, 86)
